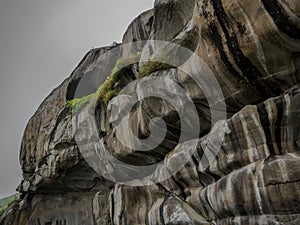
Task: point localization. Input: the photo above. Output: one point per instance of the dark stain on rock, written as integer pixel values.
(281, 19)
(140, 133)
(279, 105)
(241, 28)
(233, 135)
(200, 152)
(216, 39)
(161, 212)
(112, 208)
(62, 115)
(264, 119)
(248, 69)
(204, 179)
(210, 205)
(43, 161)
(141, 30)
(181, 188)
(204, 4)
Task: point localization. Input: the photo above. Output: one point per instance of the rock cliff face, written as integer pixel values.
(239, 166)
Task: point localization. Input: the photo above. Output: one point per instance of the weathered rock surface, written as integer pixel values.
(240, 170)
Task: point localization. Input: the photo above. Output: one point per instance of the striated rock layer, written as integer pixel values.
(242, 169)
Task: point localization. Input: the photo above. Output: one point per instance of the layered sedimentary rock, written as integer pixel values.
(243, 168)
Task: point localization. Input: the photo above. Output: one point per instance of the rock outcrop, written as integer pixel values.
(224, 159)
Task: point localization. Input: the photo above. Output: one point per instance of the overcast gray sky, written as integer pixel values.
(41, 42)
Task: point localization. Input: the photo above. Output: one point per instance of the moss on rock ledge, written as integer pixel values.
(78, 103)
(106, 91)
(153, 66)
(8, 201)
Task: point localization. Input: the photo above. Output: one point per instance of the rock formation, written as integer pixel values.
(242, 168)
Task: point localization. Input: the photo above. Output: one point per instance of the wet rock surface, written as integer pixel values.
(241, 169)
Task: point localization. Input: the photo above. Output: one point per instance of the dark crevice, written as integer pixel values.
(204, 179)
(72, 89)
(180, 186)
(112, 208)
(161, 211)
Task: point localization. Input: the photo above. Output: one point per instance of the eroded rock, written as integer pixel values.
(240, 170)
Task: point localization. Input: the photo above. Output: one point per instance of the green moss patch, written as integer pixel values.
(153, 66)
(78, 103)
(156, 64)
(8, 201)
